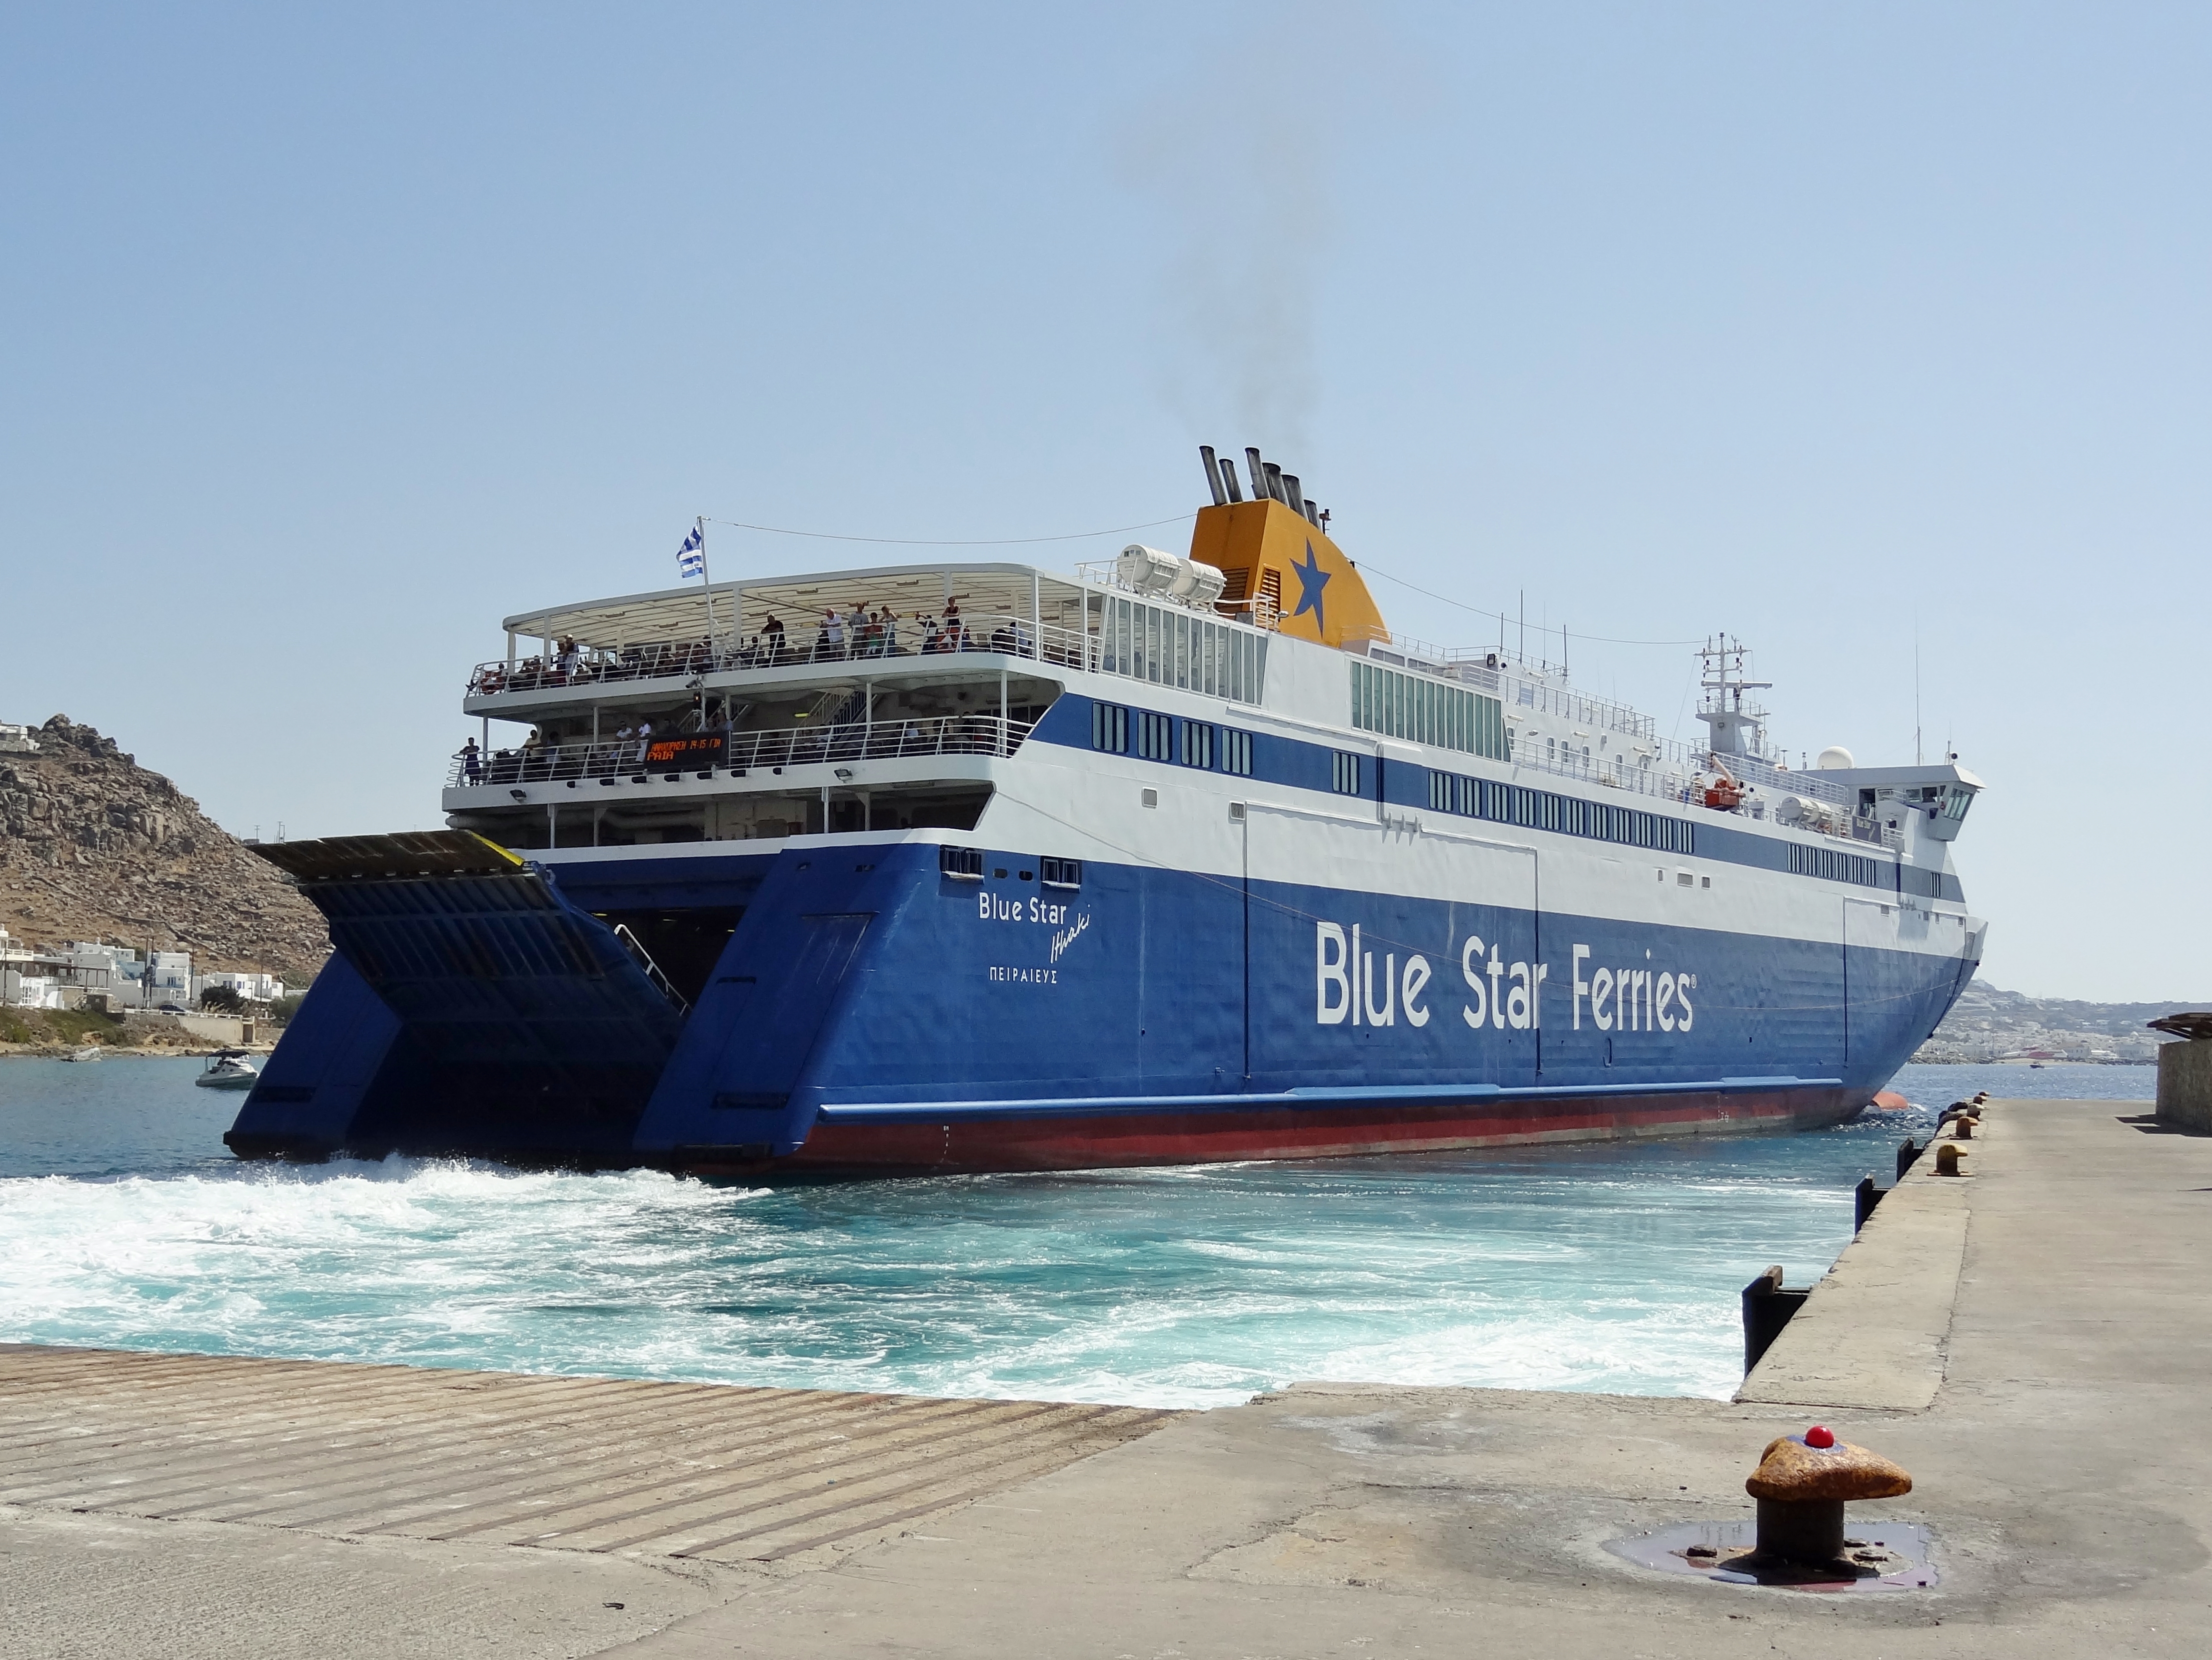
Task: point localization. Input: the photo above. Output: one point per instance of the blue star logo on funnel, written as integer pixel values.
(1312, 579)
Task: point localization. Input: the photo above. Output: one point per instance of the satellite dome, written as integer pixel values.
(1834, 758)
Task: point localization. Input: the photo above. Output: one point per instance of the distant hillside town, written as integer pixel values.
(83, 974)
(1989, 1025)
(116, 892)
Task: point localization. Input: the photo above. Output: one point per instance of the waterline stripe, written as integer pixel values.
(1097, 1105)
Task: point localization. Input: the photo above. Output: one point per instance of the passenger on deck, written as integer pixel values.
(624, 739)
(472, 762)
(929, 634)
(644, 740)
(890, 632)
(566, 661)
(771, 635)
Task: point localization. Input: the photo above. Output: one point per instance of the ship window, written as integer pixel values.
(1197, 744)
(1236, 752)
(1408, 706)
(1440, 792)
(967, 862)
(1154, 736)
(1110, 729)
(1347, 774)
(1060, 873)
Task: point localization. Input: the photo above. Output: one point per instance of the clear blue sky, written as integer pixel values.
(328, 337)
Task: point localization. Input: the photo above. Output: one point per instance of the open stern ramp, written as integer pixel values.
(472, 1006)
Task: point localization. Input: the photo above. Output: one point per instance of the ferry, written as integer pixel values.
(985, 866)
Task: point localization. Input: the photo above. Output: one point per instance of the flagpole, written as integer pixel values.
(699, 525)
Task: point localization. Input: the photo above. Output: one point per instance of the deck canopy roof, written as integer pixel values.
(740, 607)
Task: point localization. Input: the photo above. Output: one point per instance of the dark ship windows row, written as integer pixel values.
(1600, 821)
(1836, 867)
(1118, 731)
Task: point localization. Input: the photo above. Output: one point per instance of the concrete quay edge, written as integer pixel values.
(1875, 1331)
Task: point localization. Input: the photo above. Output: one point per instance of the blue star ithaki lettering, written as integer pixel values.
(1312, 579)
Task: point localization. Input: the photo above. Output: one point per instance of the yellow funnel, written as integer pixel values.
(1272, 557)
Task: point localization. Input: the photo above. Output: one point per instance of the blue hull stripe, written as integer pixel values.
(936, 1112)
(1304, 764)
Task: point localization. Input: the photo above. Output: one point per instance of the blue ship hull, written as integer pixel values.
(871, 1014)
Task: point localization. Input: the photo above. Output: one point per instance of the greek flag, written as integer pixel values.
(691, 558)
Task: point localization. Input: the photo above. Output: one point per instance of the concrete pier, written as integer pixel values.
(2031, 1340)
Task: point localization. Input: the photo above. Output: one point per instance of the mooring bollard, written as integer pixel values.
(1802, 1484)
(1947, 1160)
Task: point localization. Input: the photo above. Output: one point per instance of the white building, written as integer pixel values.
(253, 988)
(29, 991)
(18, 740)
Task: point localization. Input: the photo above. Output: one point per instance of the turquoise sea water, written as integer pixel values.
(124, 1222)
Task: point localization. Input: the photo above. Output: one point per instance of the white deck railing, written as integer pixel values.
(853, 740)
(906, 640)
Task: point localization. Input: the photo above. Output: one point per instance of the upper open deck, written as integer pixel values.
(766, 658)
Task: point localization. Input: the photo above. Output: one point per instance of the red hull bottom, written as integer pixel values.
(1111, 1141)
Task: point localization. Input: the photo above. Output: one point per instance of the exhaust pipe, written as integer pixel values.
(1229, 479)
(1259, 469)
(1213, 475)
(1291, 497)
(1275, 484)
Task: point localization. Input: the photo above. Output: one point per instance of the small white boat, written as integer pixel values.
(227, 1069)
(89, 1052)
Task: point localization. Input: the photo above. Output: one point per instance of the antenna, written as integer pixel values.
(1917, 759)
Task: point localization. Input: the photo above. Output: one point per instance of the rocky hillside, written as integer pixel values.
(94, 847)
(1987, 1023)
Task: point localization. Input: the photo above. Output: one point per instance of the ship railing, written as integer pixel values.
(1006, 634)
(852, 740)
(1676, 780)
(1662, 783)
